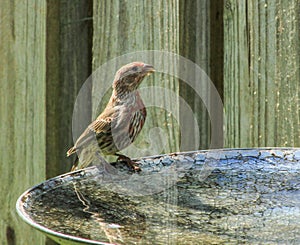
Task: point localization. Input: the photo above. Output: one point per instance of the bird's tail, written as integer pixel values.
(71, 151)
(75, 164)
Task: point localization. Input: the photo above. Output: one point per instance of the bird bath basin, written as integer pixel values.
(234, 196)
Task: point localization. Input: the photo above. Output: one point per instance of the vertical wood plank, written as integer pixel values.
(22, 112)
(68, 49)
(201, 41)
(194, 45)
(236, 74)
(287, 107)
(262, 73)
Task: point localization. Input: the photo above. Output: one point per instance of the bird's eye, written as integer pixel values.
(135, 68)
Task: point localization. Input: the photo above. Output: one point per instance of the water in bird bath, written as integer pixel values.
(234, 197)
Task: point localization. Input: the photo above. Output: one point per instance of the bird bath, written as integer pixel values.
(231, 196)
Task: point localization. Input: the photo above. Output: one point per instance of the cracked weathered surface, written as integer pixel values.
(230, 196)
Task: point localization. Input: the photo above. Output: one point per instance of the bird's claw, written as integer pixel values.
(131, 164)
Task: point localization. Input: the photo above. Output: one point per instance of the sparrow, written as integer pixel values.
(120, 122)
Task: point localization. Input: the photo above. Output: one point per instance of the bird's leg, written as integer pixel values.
(107, 168)
(128, 161)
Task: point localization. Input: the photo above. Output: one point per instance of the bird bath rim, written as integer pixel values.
(58, 236)
(51, 233)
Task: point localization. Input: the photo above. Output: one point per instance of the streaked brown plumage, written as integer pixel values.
(120, 122)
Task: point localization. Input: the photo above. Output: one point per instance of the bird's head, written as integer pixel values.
(129, 77)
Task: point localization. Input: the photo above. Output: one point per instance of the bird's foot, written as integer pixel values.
(131, 164)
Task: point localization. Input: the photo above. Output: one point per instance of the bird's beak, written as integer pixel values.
(148, 69)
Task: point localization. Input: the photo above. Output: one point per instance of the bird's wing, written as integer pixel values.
(101, 124)
(136, 123)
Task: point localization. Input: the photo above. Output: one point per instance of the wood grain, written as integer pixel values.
(261, 73)
(201, 41)
(68, 64)
(22, 112)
